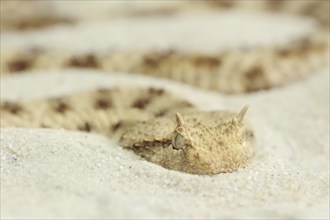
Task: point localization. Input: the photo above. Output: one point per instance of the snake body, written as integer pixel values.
(156, 124)
(143, 120)
(231, 71)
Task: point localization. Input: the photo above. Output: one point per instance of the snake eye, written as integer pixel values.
(178, 141)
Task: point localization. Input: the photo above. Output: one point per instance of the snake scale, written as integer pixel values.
(156, 124)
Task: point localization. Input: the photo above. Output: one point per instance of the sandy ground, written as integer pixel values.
(47, 173)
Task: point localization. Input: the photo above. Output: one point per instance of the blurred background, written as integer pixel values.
(169, 39)
(20, 15)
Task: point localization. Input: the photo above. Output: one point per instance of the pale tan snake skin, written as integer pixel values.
(143, 120)
(157, 125)
(229, 71)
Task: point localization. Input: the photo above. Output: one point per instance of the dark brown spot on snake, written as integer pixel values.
(154, 60)
(103, 91)
(61, 107)
(275, 5)
(12, 107)
(40, 23)
(19, 65)
(44, 126)
(161, 113)
(87, 61)
(85, 127)
(155, 91)
(116, 126)
(151, 61)
(256, 79)
(223, 3)
(254, 73)
(141, 103)
(103, 104)
(207, 61)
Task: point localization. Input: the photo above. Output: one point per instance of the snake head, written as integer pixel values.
(212, 149)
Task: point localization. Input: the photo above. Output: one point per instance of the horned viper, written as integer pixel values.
(155, 124)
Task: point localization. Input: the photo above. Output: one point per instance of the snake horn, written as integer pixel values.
(179, 119)
(241, 114)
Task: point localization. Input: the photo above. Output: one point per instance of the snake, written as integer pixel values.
(240, 70)
(155, 124)
(160, 126)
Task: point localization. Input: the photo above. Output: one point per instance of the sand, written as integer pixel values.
(49, 173)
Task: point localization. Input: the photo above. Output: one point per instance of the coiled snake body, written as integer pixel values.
(154, 123)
